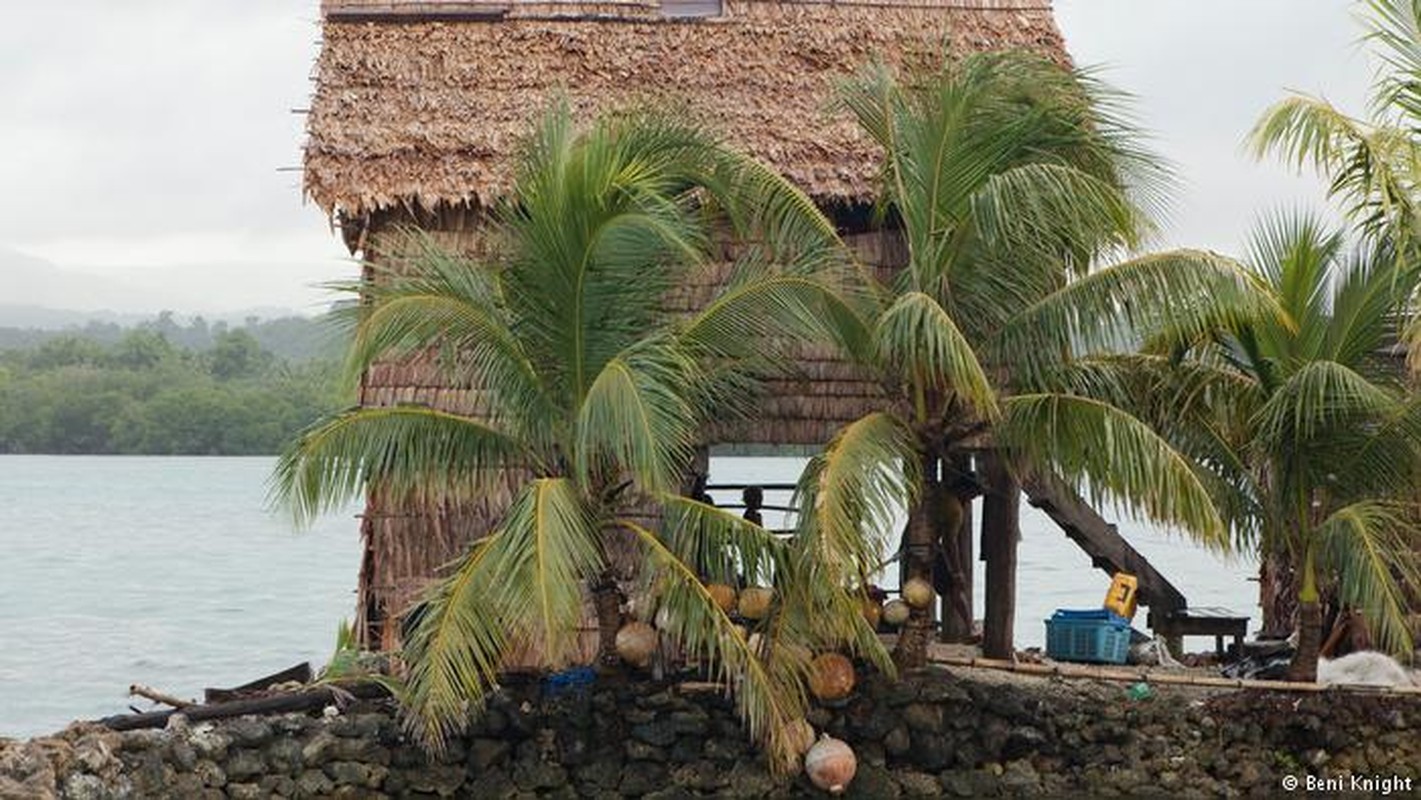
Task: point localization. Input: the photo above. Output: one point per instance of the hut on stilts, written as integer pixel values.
(419, 105)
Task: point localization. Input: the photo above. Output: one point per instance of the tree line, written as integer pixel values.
(141, 393)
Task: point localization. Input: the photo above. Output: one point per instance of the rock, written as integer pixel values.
(354, 773)
(897, 742)
(693, 722)
(725, 749)
(282, 785)
(441, 779)
(285, 755)
(313, 782)
(923, 717)
(872, 783)
(601, 772)
(245, 791)
(1020, 777)
(658, 734)
(641, 751)
(209, 743)
(749, 780)
(918, 784)
(930, 752)
(537, 775)
(248, 731)
(700, 775)
(1023, 740)
(486, 753)
(320, 749)
(212, 775)
(245, 764)
(640, 777)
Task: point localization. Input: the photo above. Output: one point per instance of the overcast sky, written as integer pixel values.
(144, 141)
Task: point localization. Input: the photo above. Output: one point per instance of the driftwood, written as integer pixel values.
(139, 690)
(275, 704)
(300, 673)
(1145, 675)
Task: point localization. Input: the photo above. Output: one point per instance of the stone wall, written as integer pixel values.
(959, 733)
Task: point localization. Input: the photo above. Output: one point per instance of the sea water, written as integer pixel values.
(173, 572)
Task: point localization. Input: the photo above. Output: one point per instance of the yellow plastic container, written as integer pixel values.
(1121, 596)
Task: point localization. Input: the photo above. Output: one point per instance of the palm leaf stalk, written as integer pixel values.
(1011, 181)
(592, 399)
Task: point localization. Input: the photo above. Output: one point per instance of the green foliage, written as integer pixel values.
(593, 393)
(1301, 427)
(142, 395)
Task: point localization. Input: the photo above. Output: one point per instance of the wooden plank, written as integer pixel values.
(1108, 550)
(300, 673)
(278, 704)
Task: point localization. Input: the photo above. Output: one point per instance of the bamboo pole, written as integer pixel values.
(1145, 675)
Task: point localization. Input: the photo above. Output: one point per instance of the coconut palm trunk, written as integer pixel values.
(920, 546)
(1277, 595)
(607, 600)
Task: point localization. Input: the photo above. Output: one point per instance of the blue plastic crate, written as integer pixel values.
(1097, 636)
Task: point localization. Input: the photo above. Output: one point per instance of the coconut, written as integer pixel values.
(918, 593)
(636, 642)
(724, 596)
(896, 612)
(755, 602)
(831, 677)
(800, 735)
(872, 612)
(830, 764)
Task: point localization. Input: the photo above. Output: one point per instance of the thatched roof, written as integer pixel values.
(418, 104)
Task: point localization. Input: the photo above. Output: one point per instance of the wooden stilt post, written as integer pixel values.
(1001, 530)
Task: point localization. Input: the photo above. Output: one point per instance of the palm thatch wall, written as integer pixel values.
(419, 105)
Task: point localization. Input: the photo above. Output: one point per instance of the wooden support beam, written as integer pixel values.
(1108, 550)
(1001, 531)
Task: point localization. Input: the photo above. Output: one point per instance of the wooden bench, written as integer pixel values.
(1200, 621)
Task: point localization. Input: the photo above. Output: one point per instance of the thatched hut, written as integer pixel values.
(419, 104)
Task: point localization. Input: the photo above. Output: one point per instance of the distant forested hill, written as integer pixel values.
(290, 337)
(160, 387)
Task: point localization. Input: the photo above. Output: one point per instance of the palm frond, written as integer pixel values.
(1105, 452)
(1371, 546)
(1187, 293)
(1321, 396)
(547, 549)
(917, 339)
(849, 495)
(454, 650)
(415, 453)
(636, 418)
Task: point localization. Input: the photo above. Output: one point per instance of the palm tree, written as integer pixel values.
(1372, 162)
(1309, 442)
(1008, 178)
(594, 401)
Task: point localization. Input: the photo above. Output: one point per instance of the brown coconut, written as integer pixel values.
(830, 764)
(872, 611)
(831, 676)
(755, 602)
(724, 596)
(896, 612)
(636, 642)
(918, 593)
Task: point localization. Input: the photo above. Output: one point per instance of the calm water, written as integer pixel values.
(172, 573)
